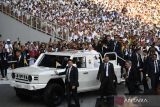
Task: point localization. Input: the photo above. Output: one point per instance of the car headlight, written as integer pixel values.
(13, 75)
(29, 78)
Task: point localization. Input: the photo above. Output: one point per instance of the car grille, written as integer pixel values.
(35, 78)
(21, 77)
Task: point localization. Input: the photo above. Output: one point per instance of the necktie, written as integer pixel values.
(68, 73)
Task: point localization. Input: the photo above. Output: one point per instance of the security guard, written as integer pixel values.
(71, 83)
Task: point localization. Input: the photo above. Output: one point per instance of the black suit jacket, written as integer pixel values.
(20, 62)
(132, 77)
(126, 56)
(102, 73)
(145, 65)
(98, 47)
(73, 76)
(151, 68)
(110, 46)
(135, 60)
(118, 48)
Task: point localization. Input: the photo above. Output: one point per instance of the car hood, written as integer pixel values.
(35, 70)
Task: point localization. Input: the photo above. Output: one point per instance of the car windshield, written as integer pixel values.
(54, 61)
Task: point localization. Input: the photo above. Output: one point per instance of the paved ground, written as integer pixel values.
(9, 99)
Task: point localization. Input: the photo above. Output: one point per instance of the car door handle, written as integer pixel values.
(85, 73)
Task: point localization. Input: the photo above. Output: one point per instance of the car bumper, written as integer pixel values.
(27, 86)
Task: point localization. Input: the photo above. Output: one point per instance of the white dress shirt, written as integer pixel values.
(106, 66)
(129, 69)
(69, 71)
(155, 66)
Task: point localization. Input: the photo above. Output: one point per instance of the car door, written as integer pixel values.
(93, 63)
(80, 62)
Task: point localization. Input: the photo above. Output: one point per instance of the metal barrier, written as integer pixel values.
(36, 23)
(121, 58)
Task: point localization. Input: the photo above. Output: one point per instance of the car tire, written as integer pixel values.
(22, 96)
(53, 95)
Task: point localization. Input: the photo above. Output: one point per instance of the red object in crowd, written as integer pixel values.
(33, 53)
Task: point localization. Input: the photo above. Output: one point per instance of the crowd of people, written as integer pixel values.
(89, 19)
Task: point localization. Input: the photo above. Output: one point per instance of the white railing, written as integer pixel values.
(37, 23)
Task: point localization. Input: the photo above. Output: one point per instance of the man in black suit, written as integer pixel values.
(117, 46)
(107, 77)
(145, 69)
(131, 78)
(71, 82)
(154, 71)
(20, 59)
(137, 63)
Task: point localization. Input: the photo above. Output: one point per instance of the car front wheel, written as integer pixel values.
(53, 95)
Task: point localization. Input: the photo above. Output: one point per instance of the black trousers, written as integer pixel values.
(107, 88)
(145, 84)
(131, 87)
(4, 72)
(72, 94)
(3, 68)
(139, 75)
(154, 81)
(144, 81)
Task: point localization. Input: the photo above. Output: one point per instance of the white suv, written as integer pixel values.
(41, 78)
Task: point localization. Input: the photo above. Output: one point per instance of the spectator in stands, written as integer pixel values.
(86, 17)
